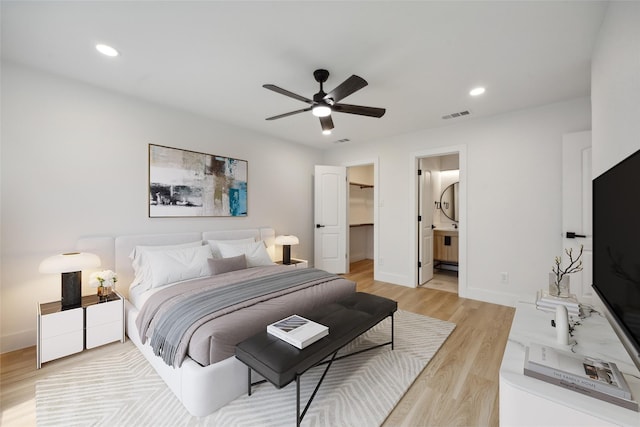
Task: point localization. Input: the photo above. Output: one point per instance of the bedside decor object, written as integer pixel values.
(104, 281)
(286, 241)
(185, 183)
(70, 265)
(559, 277)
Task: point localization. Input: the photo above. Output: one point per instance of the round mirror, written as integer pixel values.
(449, 202)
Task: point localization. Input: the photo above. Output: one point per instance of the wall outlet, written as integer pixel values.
(504, 277)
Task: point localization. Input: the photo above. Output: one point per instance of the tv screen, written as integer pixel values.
(616, 249)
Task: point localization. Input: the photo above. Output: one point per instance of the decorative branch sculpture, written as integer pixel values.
(575, 265)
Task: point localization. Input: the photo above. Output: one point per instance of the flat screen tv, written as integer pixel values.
(616, 249)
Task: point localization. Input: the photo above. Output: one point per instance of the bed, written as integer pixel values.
(205, 375)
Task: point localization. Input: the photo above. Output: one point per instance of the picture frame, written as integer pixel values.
(184, 183)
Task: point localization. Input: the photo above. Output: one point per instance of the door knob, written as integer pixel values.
(319, 226)
(572, 235)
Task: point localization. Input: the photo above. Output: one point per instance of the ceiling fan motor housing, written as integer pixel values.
(321, 75)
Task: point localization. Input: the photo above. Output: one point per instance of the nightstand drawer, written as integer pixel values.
(106, 312)
(104, 334)
(61, 345)
(61, 323)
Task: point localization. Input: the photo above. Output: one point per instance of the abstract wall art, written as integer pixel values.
(186, 183)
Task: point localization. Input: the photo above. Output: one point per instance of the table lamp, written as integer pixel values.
(70, 265)
(286, 241)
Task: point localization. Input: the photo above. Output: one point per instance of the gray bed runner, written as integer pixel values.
(168, 339)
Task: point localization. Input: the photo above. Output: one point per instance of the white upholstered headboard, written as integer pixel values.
(114, 251)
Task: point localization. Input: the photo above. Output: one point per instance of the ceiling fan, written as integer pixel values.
(323, 104)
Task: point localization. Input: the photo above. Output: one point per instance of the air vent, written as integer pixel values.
(342, 141)
(459, 114)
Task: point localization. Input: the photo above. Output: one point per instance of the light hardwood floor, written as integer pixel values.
(459, 387)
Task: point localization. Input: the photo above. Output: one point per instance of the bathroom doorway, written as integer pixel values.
(440, 212)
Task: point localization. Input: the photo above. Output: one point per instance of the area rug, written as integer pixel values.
(358, 391)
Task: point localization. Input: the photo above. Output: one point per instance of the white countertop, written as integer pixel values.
(594, 338)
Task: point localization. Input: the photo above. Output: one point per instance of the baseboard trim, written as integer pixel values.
(18, 341)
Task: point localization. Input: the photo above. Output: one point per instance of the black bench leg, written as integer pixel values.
(298, 418)
(392, 331)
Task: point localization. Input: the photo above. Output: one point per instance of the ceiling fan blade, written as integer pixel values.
(326, 123)
(358, 109)
(288, 114)
(287, 93)
(346, 88)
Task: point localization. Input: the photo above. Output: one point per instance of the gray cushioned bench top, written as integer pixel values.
(280, 362)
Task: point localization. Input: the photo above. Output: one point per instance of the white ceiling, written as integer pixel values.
(420, 58)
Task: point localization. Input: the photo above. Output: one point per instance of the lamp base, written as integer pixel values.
(286, 254)
(71, 290)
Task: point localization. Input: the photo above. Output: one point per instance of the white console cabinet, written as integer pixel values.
(64, 332)
(526, 401)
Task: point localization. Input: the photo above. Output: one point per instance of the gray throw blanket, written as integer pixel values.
(168, 339)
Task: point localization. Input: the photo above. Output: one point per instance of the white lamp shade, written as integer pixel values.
(287, 240)
(70, 262)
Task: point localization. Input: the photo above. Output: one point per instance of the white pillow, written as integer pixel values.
(176, 265)
(255, 253)
(141, 270)
(216, 251)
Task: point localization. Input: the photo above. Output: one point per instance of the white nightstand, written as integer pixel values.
(297, 263)
(63, 332)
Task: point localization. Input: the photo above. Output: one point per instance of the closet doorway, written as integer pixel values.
(361, 215)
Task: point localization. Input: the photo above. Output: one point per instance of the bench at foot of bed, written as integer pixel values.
(281, 363)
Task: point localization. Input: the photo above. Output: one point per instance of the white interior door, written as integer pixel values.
(330, 216)
(577, 204)
(425, 239)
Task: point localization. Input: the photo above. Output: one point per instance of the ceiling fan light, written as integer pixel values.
(321, 110)
(326, 132)
(107, 50)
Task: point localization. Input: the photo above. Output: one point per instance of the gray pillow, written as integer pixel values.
(225, 265)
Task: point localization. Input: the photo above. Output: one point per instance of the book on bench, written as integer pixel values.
(591, 376)
(298, 331)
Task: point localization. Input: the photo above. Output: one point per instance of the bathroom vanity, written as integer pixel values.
(445, 246)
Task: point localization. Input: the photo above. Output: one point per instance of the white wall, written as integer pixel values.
(615, 86)
(513, 173)
(74, 163)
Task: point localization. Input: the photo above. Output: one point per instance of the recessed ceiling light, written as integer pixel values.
(326, 132)
(106, 50)
(477, 91)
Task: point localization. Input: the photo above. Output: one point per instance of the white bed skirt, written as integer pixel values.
(201, 389)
